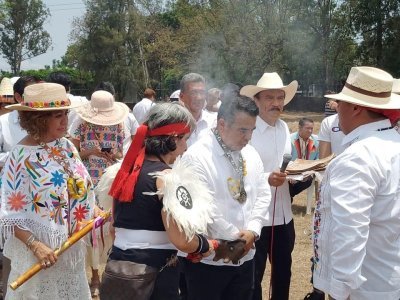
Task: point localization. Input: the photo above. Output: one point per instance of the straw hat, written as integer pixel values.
(6, 87)
(271, 81)
(14, 79)
(396, 86)
(175, 95)
(103, 110)
(43, 96)
(369, 87)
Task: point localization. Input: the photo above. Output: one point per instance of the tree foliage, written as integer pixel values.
(142, 43)
(22, 33)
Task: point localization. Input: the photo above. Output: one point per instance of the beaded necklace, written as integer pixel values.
(239, 168)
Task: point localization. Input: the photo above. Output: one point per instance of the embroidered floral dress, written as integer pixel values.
(91, 136)
(34, 197)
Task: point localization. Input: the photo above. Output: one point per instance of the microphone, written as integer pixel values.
(286, 158)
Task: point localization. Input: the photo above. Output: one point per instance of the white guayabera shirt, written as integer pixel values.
(357, 218)
(208, 159)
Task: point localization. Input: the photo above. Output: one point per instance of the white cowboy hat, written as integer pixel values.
(271, 81)
(396, 86)
(369, 87)
(103, 110)
(43, 96)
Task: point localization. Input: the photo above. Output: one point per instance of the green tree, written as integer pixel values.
(108, 42)
(376, 22)
(22, 33)
(328, 25)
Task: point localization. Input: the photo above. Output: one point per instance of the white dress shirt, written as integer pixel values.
(357, 218)
(206, 122)
(141, 109)
(10, 134)
(330, 132)
(214, 168)
(131, 125)
(72, 115)
(271, 143)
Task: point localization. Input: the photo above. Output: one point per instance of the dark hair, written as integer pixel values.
(60, 78)
(163, 114)
(22, 82)
(235, 104)
(148, 93)
(105, 86)
(189, 78)
(303, 121)
(34, 122)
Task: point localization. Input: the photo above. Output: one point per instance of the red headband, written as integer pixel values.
(124, 183)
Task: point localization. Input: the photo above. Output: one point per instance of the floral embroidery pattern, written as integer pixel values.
(57, 179)
(80, 213)
(16, 201)
(37, 184)
(92, 136)
(316, 228)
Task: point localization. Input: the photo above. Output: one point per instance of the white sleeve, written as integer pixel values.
(3, 154)
(259, 211)
(325, 131)
(352, 194)
(133, 124)
(73, 130)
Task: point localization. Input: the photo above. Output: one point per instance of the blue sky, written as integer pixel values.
(59, 25)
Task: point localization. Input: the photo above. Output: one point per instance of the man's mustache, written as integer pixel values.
(275, 108)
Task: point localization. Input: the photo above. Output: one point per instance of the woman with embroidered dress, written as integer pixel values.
(142, 263)
(99, 134)
(46, 196)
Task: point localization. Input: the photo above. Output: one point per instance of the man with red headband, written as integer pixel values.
(356, 222)
(233, 171)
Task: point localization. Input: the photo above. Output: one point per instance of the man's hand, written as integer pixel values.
(276, 178)
(249, 237)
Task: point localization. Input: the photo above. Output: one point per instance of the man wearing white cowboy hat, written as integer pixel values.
(356, 222)
(271, 138)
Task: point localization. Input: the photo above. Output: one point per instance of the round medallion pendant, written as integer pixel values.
(184, 197)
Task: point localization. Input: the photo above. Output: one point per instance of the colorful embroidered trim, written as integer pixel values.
(44, 104)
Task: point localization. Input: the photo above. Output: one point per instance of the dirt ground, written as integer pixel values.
(300, 283)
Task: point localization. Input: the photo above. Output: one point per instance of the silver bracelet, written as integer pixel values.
(30, 241)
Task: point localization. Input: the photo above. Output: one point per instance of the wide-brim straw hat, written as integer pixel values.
(271, 81)
(44, 96)
(175, 95)
(369, 87)
(6, 87)
(103, 110)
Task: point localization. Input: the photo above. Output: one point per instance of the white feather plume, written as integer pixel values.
(195, 219)
(182, 174)
(104, 185)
